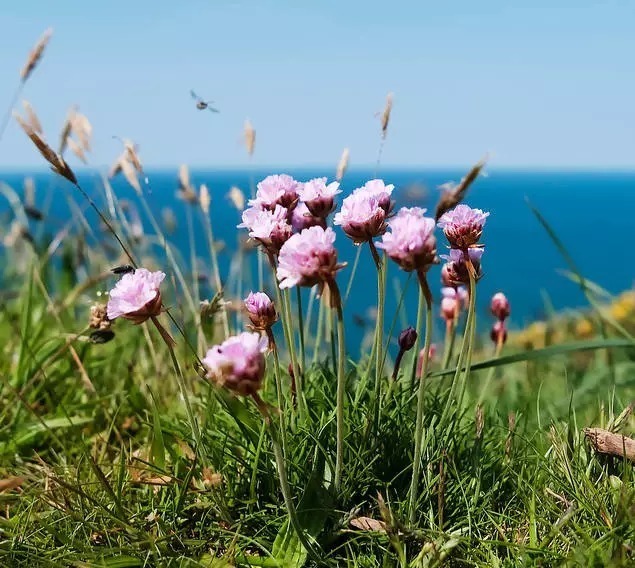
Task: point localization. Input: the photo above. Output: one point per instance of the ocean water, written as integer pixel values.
(591, 211)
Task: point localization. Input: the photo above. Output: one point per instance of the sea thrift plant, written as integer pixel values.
(463, 226)
(377, 189)
(276, 190)
(302, 218)
(269, 227)
(319, 197)
(238, 363)
(453, 298)
(308, 258)
(411, 242)
(260, 310)
(455, 268)
(500, 309)
(136, 297)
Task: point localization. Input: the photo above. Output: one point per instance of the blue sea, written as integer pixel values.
(589, 210)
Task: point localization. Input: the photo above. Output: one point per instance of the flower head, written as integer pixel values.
(301, 218)
(411, 242)
(136, 297)
(238, 363)
(456, 270)
(362, 218)
(319, 197)
(451, 301)
(261, 310)
(500, 306)
(381, 192)
(308, 258)
(276, 190)
(269, 227)
(498, 334)
(463, 226)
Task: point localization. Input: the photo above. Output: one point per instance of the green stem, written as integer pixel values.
(416, 464)
(415, 350)
(462, 354)
(353, 271)
(490, 374)
(379, 326)
(450, 338)
(472, 333)
(341, 384)
(301, 326)
(319, 333)
(292, 354)
(180, 379)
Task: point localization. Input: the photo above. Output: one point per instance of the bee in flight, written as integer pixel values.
(201, 104)
(125, 269)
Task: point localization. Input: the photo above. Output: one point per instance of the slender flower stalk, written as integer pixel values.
(500, 310)
(341, 384)
(416, 463)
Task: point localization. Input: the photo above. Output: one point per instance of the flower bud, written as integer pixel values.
(500, 306)
(407, 339)
(261, 310)
(499, 332)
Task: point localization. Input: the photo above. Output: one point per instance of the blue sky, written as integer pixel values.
(540, 83)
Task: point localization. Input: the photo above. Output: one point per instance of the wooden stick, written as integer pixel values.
(605, 442)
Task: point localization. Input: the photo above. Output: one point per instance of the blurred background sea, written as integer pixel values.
(590, 211)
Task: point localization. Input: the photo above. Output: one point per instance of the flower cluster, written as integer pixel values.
(136, 297)
(283, 206)
(463, 227)
(500, 309)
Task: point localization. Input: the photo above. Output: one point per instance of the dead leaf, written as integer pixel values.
(368, 524)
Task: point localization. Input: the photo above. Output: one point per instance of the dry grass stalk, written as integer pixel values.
(609, 443)
(204, 199)
(237, 197)
(342, 165)
(185, 191)
(250, 137)
(479, 421)
(385, 115)
(130, 173)
(453, 194)
(35, 55)
(128, 164)
(58, 165)
(83, 130)
(76, 149)
(31, 117)
(10, 483)
(511, 424)
(29, 192)
(66, 130)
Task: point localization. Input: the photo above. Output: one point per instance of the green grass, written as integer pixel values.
(111, 476)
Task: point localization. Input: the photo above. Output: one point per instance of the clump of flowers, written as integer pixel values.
(319, 197)
(363, 214)
(136, 297)
(238, 363)
(309, 258)
(302, 218)
(260, 310)
(411, 242)
(500, 309)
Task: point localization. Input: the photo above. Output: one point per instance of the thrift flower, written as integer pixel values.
(276, 190)
(500, 306)
(411, 242)
(301, 218)
(456, 268)
(270, 228)
(136, 297)
(261, 310)
(238, 363)
(452, 299)
(381, 192)
(499, 332)
(361, 217)
(407, 338)
(319, 197)
(463, 226)
(308, 258)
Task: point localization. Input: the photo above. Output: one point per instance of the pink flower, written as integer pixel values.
(456, 268)
(463, 226)
(381, 192)
(411, 242)
(261, 310)
(301, 218)
(451, 302)
(276, 190)
(136, 297)
(432, 352)
(500, 306)
(308, 258)
(268, 227)
(319, 197)
(238, 363)
(362, 218)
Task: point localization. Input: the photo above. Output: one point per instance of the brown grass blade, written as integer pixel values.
(31, 117)
(35, 55)
(453, 195)
(385, 115)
